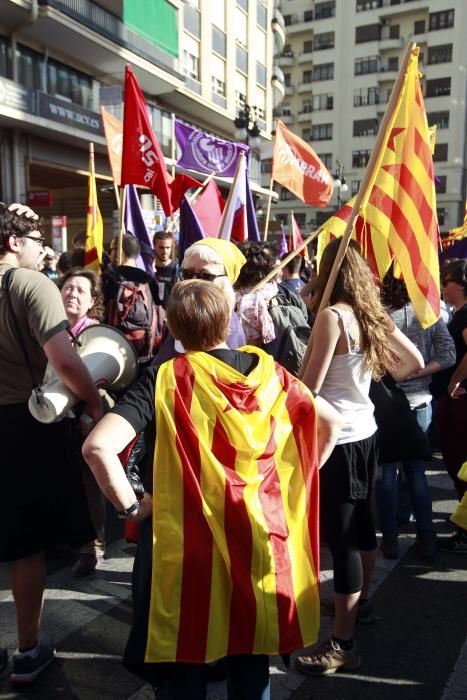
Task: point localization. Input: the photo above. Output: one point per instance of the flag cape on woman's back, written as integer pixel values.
(235, 523)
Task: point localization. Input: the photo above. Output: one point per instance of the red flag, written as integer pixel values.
(208, 208)
(296, 238)
(142, 159)
(234, 223)
(296, 166)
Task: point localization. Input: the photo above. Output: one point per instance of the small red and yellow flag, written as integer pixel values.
(94, 225)
(235, 559)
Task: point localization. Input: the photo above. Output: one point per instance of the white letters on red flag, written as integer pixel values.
(142, 158)
(296, 167)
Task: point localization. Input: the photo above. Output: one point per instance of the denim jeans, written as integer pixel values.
(419, 490)
(247, 679)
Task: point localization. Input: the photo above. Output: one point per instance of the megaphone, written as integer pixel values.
(112, 363)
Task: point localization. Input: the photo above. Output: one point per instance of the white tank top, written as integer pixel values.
(346, 387)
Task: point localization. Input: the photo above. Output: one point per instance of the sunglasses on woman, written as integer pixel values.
(186, 274)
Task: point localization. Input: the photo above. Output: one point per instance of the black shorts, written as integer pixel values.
(349, 474)
(42, 500)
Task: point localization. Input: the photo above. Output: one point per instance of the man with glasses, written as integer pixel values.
(43, 502)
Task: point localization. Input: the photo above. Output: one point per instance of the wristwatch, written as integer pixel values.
(128, 511)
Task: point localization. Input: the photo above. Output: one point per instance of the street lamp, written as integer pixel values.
(247, 126)
(339, 182)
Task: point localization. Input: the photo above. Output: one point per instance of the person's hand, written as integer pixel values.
(455, 390)
(145, 509)
(90, 417)
(23, 209)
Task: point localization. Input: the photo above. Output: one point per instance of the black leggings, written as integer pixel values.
(347, 521)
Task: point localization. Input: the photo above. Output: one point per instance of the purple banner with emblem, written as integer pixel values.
(205, 153)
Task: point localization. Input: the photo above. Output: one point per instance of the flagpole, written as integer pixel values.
(291, 232)
(121, 229)
(286, 260)
(364, 184)
(226, 208)
(174, 151)
(268, 212)
(117, 195)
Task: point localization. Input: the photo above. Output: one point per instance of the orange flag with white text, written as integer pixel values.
(113, 130)
(296, 167)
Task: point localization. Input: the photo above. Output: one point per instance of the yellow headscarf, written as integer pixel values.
(230, 255)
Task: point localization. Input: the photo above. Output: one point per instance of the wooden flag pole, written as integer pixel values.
(268, 212)
(376, 155)
(121, 224)
(117, 196)
(286, 260)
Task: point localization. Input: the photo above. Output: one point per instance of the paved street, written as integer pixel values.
(416, 650)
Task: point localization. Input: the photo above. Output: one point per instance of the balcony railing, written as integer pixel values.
(110, 26)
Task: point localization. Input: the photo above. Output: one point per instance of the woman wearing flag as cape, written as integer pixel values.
(228, 554)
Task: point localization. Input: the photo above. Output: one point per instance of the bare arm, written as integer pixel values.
(73, 372)
(326, 333)
(410, 358)
(330, 424)
(101, 450)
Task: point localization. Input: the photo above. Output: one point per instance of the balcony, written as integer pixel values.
(278, 28)
(83, 30)
(304, 117)
(278, 86)
(286, 118)
(385, 75)
(305, 57)
(304, 87)
(299, 24)
(389, 43)
(289, 90)
(285, 59)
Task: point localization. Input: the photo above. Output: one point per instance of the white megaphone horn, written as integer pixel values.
(112, 363)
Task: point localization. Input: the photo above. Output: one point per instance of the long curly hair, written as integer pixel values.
(356, 287)
(259, 263)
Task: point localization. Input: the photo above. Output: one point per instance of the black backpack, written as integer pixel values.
(292, 330)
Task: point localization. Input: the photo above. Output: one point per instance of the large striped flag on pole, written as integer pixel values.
(235, 560)
(400, 201)
(94, 225)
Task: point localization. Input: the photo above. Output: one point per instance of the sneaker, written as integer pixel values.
(26, 667)
(425, 544)
(328, 658)
(84, 566)
(3, 662)
(390, 545)
(365, 613)
(457, 543)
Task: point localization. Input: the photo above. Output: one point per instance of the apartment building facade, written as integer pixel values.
(340, 61)
(60, 60)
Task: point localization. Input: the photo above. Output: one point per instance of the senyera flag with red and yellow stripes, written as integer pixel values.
(94, 225)
(235, 523)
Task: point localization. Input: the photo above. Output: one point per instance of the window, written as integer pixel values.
(325, 9)
(162, 122)
(360, 158)
(324, 41)
(243, 4)
(64, 82)
(240, 89)
(365, 127)
(307, 76)
(218, 41)
(419, 27)
(287, 79)
(29, 71)
(394, 31)
(266, 166)
(300, 218)
(323, 102)
(5, 58)
(325, 71)
(261, 15)
(260, 46)
(218, 75)
(441, 119)
(260, 73)
(369, 32)
(440, 184)
(365, 96)
(440, 54)
(286, 194)
(307, 46)
(441, 20)
(327, 159)
(321, 132)
(260, 102)
(441, 214)
(287, 50)
(393, 63)
(438, 87)
(307, 106)
(191, 20)
(285, 110)
(363, 66)
(306, 134)
(241, 59)
(354, 187)
(241, 28)
(190, 57)
(441, 152)
(287, 20)
(368, 5)
(308, 16)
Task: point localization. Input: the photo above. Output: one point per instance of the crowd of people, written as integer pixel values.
(236, 446)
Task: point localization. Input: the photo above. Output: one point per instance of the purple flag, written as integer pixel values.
(456, 250)
(136, 226)
(206, 154)
(253, 232)
(190, 229)
(284, 248)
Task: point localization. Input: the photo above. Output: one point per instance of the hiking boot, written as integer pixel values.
(3, 662)
(425, 544)
(390, 545)
(365, 612)
(328, 658)
(457, 543)
(84, 566)
(26, 667)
